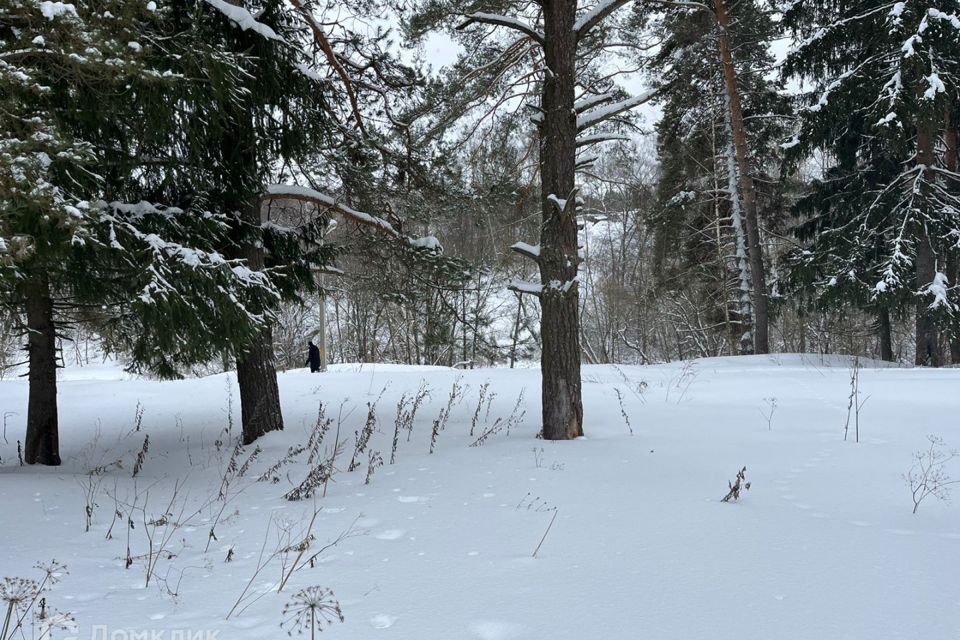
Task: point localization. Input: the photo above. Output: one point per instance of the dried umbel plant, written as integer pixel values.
(928, 476)
(23, 596)
(311, 609)
(738, 485)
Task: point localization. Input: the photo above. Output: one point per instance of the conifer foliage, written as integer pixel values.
(884, 218)
(106, 212)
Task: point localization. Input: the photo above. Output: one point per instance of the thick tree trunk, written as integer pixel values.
(928, 338)
(886, 339)
(256, 368)
(748, 193)
(43, 442)
(259, 393)
(560, 322)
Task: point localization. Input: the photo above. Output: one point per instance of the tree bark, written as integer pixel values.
(43, 441)
(886, 339)
(928, 338)
(747, 190)
(256, 368)
(951, 160)
(560, 322)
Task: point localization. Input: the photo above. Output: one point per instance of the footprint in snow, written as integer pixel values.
(390, 534)
(366, 523)
(495, 630)
(382, 621)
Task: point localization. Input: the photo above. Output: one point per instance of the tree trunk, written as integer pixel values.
(42, 441)
(951, 161)
(928, 338)
(886, 340)
(256, 368)
(560, 322)
(747, 191)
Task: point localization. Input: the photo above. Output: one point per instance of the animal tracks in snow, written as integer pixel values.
(390, 534)
(382, 621)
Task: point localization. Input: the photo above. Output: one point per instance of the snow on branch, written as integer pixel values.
(951, 18)
(600, 114)
(938, 289)
(586, 162)
(51, 10)
(588, 102)
(566, 207)
(522, 286)
(502, 21)
(537, 289)
(559, 203)
(595, 16)
(243, 19)
(305, 194)
(531, 251)
(585, 141)
(430, 243)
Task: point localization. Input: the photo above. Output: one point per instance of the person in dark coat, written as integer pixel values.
(313, 359)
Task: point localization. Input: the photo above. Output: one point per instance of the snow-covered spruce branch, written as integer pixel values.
(243, 19)
(502, 21)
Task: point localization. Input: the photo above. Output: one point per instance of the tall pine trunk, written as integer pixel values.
(42, 442)
(928, 338)
(560, 322)
(256, 367)
(761, 320)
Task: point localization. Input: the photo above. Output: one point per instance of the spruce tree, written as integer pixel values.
(78, 239)
(886, 213)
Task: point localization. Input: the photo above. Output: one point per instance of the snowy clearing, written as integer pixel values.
(440, 546)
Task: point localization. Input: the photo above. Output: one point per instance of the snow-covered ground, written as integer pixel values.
(439, 546)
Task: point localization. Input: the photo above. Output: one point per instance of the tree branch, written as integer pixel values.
(502, 21)
(321, 40)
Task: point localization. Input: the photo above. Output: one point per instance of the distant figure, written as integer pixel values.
(313, 359)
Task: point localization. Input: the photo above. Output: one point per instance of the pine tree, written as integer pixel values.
(699, 188)
(545, 54)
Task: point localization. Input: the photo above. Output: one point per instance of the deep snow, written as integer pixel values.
(823, 545)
